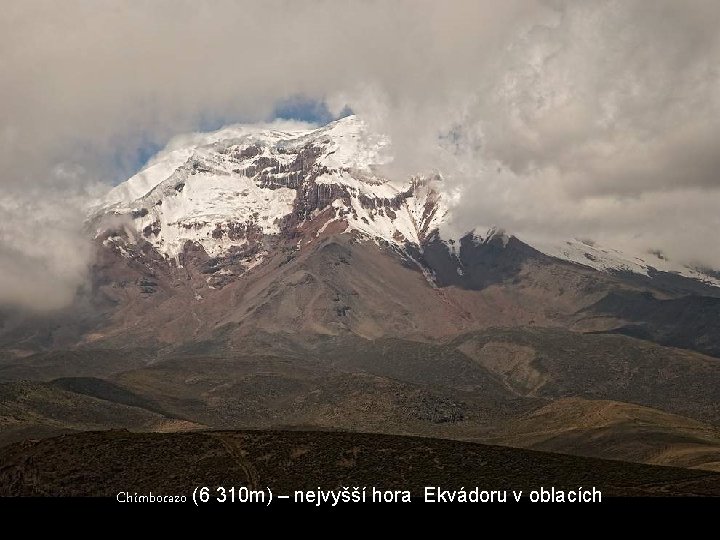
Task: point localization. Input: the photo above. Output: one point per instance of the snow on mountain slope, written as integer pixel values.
(587, 253)
(235, 186)
(144, 181)
(230, 190)
(178, 153)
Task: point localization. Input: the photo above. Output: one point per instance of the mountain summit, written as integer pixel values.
(234, 192)
(239, 187)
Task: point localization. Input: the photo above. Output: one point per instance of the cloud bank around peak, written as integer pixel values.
(596, 119)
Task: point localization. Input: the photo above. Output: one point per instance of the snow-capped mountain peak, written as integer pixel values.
(241, 184)
(233, 190)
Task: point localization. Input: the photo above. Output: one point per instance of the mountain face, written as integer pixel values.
(266, 278)
(251, 230)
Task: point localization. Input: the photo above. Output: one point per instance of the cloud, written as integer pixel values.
(577, 118)
(43, 252)
(603, 123)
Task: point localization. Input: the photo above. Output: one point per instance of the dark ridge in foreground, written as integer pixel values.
(109, 462)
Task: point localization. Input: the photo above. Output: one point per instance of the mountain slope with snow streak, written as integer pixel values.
(592, 255)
